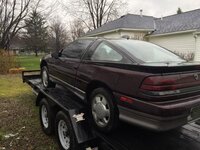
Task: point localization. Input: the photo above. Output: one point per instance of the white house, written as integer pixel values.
(179, 33)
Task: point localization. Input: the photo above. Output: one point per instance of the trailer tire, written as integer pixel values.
(64, 132)
(46, 117)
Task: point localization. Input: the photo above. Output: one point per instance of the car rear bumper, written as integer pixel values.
(161, 116)
(149, 121)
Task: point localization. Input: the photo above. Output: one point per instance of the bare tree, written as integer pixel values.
(94, 13)
(76, 29)
(59, 37)
(100, 10)
(12, 14)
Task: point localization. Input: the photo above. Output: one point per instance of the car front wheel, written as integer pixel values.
(45, 78)
(103, 110)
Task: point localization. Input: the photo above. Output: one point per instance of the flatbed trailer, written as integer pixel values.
(125, 137)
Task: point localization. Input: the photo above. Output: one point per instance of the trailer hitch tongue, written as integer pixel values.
(79, 117)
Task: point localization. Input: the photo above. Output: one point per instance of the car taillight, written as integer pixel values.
(161, 84)
(158, 88)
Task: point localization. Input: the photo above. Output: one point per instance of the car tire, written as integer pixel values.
(47, 83)
(103, 110)
(64, 132)
(46, 117)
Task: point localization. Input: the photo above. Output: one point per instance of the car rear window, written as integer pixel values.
(147, 52)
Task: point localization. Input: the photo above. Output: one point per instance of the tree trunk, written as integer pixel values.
(36, 53)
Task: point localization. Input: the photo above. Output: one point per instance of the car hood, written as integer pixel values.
(46, 56)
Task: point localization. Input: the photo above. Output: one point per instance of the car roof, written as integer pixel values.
(103, 38)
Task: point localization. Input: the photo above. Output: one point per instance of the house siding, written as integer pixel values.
(134, 34)
(115, 34)
(180, 43)
(137, 35)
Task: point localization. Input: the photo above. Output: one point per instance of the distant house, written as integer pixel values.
(17, 45)
(179, 33)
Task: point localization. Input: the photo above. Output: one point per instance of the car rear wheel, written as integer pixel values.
(45, 78)
(103, 110)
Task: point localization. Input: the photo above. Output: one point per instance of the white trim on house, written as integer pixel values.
(120, 29)
(171, 33)
(197, 32)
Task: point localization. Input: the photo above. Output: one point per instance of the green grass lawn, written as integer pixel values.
(19, 116)
(29, 62)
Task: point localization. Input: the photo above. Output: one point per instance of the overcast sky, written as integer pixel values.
(156, 8)
(160, 8)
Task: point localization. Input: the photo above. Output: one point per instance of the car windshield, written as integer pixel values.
(147, 52)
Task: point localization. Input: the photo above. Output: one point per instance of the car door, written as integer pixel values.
(70, 60)
(94, 62)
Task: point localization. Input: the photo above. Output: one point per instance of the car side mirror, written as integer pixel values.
(55, 55)
(60, 53)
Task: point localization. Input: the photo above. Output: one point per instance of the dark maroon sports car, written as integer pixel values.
(134, 81)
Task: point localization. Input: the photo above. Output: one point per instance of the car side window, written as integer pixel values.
(76, 49)
(106, 53)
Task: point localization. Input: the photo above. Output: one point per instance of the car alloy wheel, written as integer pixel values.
(45, 77)
(100, 110)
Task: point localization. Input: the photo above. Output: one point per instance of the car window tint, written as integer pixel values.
(76, 49)
(106, 53)
(147, 52)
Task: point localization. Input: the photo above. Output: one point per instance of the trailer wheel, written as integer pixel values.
(64, 132)
(46, 117)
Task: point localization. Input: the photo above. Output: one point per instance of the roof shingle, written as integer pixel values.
(179, 22)
(127, 21)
